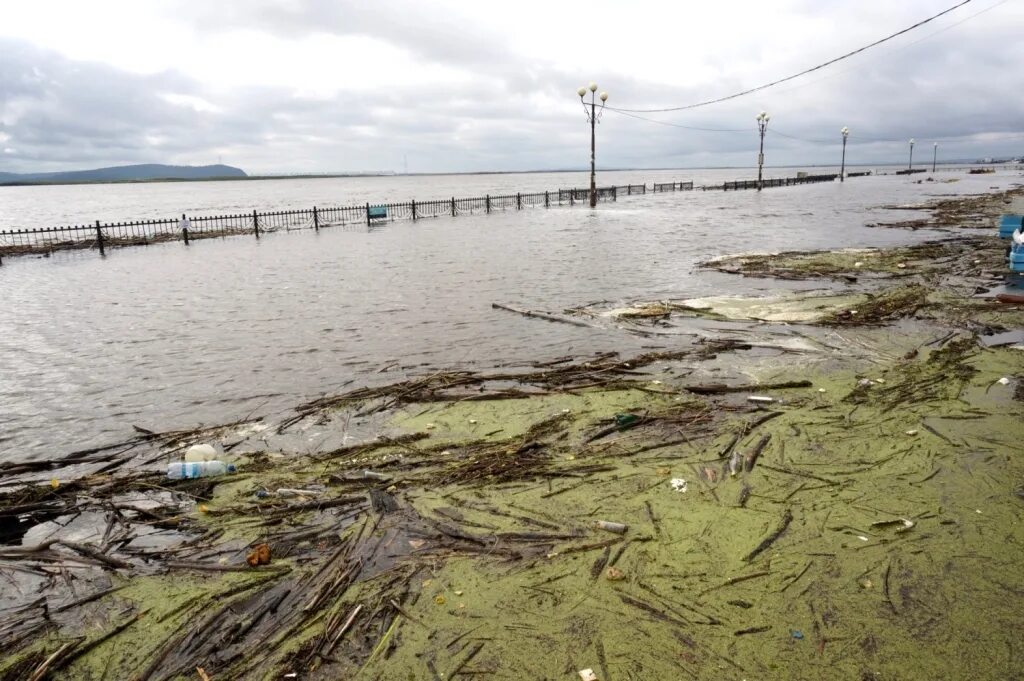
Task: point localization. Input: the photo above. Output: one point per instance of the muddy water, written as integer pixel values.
(171, 336)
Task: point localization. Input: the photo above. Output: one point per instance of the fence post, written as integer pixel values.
(547, 200)
(99, 237)
(184, 229)
(453, 206)
(519, 201)
(414, 210)
(256, 223)
(488, 204)
(615, 193)
(572, 197)
(316, 220)
(367, 214)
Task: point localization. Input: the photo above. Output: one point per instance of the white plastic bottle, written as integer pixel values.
(181, 470)
(200, 453)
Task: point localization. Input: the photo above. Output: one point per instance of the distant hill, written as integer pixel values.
(135, 173)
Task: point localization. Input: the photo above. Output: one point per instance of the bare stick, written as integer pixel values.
(787, 518)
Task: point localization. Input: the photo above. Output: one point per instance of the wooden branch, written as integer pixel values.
(541, 315)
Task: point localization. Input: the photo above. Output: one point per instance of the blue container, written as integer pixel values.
(1017, 258)
(1007, 224)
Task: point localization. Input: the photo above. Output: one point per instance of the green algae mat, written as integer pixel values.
(597, 517)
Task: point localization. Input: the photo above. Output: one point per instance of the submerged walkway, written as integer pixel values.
(100, 235)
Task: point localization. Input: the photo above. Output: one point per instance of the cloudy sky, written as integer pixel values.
(285, 86)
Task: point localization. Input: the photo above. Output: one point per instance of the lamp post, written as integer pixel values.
(845, 132)
(762, 125)
(935, 154)
(910, 166)
(593, 116)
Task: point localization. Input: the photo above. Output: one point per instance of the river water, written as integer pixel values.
(169, 336)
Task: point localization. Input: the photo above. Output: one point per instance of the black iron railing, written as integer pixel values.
(103, 235)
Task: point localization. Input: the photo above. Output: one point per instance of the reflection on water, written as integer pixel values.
(169, 336)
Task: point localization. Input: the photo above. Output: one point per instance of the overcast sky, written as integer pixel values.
(284, 86)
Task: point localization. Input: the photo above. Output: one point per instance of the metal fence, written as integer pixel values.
(774, 182)
(672, 186)
(103, 235)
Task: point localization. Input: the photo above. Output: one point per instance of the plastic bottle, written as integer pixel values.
(198, 469)
(617, 528)
(200, 453)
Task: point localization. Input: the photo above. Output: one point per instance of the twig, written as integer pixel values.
(751, 458)
(787, 518)
(736, 580)
(720, 388)
(888, 598)
(751, 630)
(406, 614)
(43, 668)
(477, 647)
(541, 315)
(95, 554)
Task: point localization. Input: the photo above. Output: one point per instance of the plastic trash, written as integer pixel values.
(760, 399)
(626, 420)
(735, 462)
(373, 475)
(292, 492)
(678, 485)
(587, 675)
(260, 555)
(617, 528)
(183, 470)
(200, 453)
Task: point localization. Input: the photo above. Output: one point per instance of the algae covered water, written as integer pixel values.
(168, 336)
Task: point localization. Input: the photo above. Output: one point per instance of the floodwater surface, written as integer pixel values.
(169, 336)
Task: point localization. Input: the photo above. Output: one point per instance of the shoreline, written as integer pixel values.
(864, 519)
(386, 174)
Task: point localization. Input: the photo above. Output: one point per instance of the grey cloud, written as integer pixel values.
(415, 26)
(60, 113)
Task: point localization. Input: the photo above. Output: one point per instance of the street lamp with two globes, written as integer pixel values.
(593, 115)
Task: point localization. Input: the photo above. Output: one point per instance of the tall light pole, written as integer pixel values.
(910, 166)
(845, 132)
(935, 154)
(762, 125)
(593, 116)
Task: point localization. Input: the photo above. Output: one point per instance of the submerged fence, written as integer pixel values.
(776, 182)
(103, 235)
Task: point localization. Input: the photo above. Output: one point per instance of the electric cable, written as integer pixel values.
(796, 75)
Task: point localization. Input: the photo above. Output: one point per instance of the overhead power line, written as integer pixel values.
(797, 75)
(838, 72)
(678, 125)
